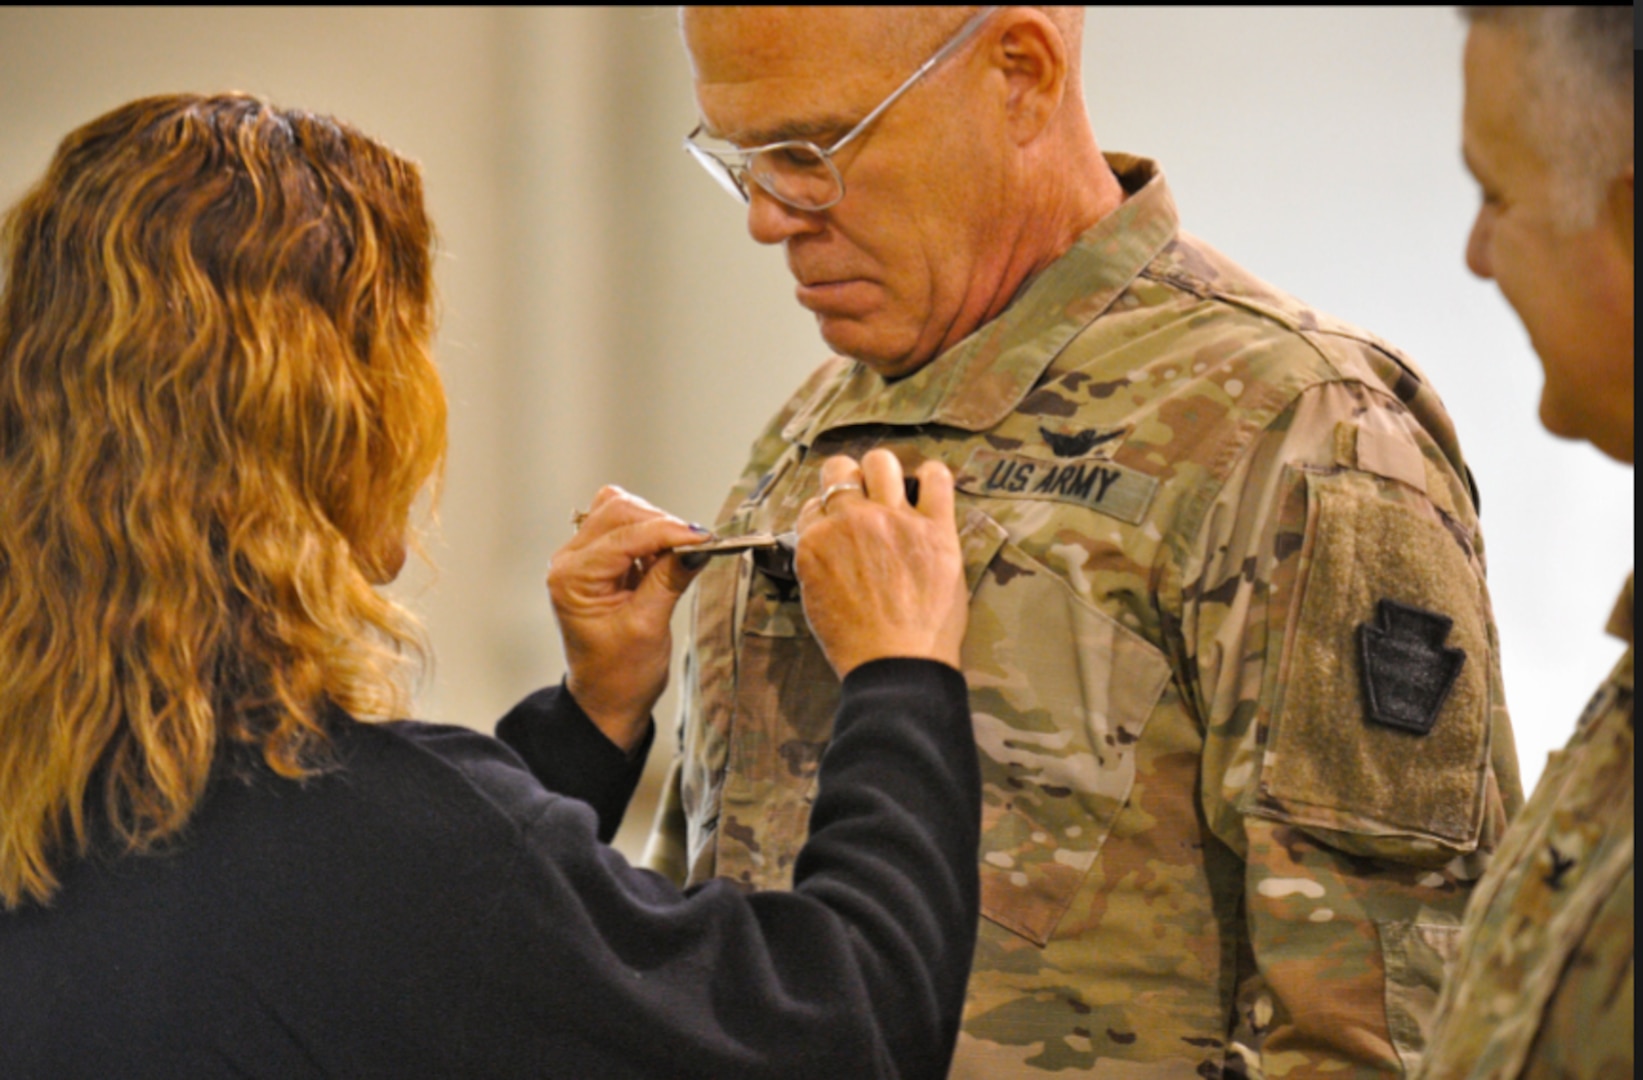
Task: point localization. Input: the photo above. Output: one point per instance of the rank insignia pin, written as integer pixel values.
(1407, 669)
(1077, 444)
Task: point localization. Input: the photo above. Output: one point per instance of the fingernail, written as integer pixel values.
(695, 528)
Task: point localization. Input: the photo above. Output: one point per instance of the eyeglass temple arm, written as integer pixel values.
(965, 33)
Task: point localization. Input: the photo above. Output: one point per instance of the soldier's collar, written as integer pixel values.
(979, 381)
(1620, 619)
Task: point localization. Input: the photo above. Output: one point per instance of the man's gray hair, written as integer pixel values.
(1578, 70)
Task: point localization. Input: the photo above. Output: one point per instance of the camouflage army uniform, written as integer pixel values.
(1187, 506)
(1544, 988)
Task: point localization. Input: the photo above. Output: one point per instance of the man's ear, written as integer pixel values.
(1032, 55)
(1622, 200)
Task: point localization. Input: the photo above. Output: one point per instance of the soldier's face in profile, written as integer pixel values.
(1572, 287)
(893, 271)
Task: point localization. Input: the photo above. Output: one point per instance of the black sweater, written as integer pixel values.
(429, 909)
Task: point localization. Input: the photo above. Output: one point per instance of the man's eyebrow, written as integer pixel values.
(808, 130)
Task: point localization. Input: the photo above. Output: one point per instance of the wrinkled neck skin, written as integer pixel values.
(1061, 191)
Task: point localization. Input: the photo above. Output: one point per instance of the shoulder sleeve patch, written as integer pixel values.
(1377, 712)
(1407, 669)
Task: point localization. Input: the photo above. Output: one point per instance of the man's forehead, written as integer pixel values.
(741, 44)
(1495, 100)
(766, 74)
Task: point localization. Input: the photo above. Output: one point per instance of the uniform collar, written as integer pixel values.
(981, 380)
(1620, 620)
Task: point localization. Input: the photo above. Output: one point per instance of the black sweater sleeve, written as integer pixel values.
(859, 971)
(570, 755)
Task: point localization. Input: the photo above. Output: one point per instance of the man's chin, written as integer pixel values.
(858, 340)
(1580, 418)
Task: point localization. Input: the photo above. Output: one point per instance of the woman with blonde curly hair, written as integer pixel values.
(217, 409)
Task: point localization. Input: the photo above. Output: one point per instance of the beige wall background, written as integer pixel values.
(608, 320)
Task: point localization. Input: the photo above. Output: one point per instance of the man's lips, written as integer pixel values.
(832, 297)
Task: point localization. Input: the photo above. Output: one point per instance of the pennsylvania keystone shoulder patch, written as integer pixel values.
(1407, 669)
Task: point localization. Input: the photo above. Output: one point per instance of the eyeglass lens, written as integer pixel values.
(797, 174)
(719, 170)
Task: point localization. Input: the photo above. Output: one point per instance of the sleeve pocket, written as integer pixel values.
(1373, 553)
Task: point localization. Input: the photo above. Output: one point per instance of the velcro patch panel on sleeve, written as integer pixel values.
(1100, 485)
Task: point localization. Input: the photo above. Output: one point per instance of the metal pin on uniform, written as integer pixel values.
(772, 552)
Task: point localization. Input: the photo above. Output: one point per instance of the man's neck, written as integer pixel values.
(1062, 204)
(1072, 200)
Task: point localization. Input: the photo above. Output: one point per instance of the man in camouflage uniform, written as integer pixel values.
(1230, 654)
(1544, 986)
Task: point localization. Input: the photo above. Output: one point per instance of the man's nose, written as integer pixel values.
(771, 221)
(1477, 246)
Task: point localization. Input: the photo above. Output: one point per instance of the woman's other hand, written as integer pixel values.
(881, 578)
(614, 587)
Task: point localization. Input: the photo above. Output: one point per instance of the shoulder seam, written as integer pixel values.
(1309, 334)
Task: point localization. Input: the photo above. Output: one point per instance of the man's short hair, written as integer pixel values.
(1578, 69)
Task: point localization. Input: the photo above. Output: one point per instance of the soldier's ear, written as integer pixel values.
(1032, 55)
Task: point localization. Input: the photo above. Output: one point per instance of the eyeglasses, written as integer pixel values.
(798, 172)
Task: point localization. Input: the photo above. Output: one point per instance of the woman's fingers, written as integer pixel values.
(884, 479)
(614, 587)
(613, 555)
(836, 473)
(935, 491)
(623, 545)
(881, 578)
(881, 479)
(612, 508)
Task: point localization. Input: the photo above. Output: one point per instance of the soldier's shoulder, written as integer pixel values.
(1340, 349)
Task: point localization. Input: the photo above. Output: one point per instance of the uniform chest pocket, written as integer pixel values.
(786, 690)
(780, 722)
(785, 701)
(1060, 693)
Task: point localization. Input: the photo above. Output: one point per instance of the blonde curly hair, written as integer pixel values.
(217, 406)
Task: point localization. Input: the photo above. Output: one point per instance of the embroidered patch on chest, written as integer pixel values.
(1115, 490)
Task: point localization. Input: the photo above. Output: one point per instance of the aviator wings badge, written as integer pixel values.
(1407, 669)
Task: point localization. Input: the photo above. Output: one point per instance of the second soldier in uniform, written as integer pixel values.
(1544, 987)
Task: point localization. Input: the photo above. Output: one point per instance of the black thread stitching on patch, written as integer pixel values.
(1407, 669)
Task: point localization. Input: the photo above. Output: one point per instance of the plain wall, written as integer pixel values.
(606, 318)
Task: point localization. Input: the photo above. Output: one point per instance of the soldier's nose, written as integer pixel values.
(771, 221)
(1477, 247)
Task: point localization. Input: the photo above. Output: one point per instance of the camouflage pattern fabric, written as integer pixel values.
(1185, 499)
(1544, 987)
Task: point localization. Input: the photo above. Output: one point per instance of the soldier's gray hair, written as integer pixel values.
(1579, 69)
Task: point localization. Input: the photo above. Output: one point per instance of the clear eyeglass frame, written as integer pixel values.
(797, 172)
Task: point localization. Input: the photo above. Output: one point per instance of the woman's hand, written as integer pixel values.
(614, 589)
(881, 578)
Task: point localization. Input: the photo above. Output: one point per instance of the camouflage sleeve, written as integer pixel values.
(1357, 755)
(665, 848)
